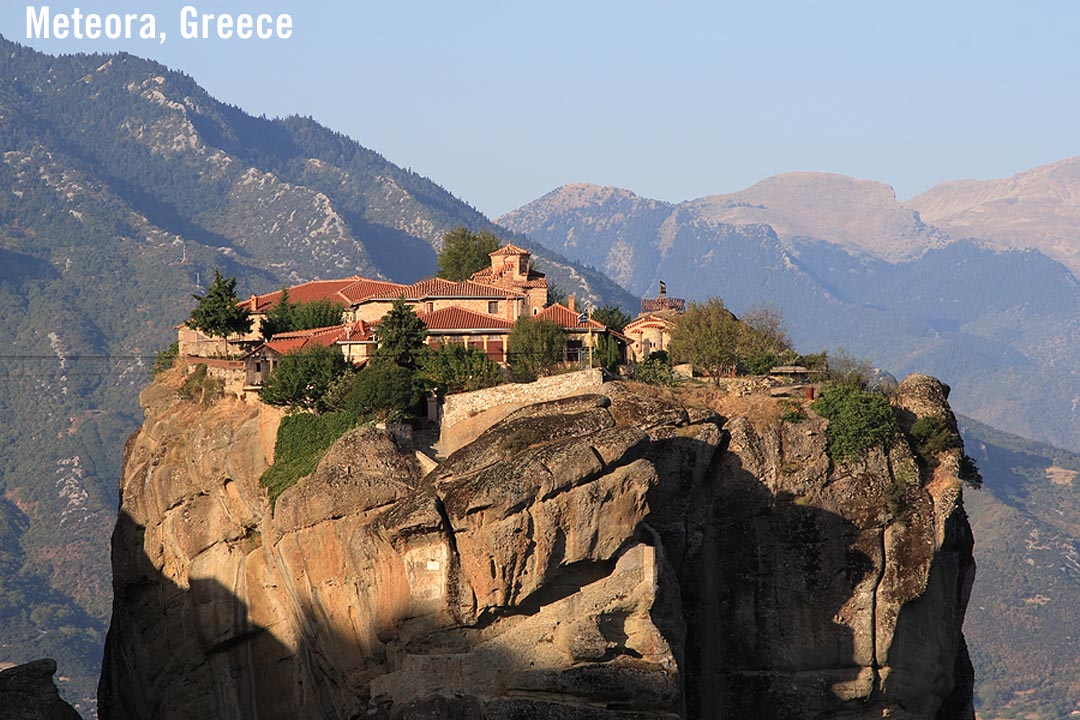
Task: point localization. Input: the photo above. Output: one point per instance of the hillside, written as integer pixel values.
(849, 266)
(123, 185)
(1024, 612)
(1038, 208)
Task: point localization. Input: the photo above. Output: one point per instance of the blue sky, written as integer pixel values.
(501, 102)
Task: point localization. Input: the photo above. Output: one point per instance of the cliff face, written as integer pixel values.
(606, 555)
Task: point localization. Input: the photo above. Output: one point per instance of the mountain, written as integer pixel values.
(1024, 614)
(1038, 209)
(123, 185)
(849, 266)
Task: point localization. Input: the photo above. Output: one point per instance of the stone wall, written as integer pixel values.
(466, 415)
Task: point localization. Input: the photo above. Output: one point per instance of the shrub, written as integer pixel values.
(383, 390)
(655, 370)
(858, 420)
(302, 440)
(165, 359)
(932, 437)
(535, 346)
(969, 472)
(302, 379)
(455, 368)
(793, 411)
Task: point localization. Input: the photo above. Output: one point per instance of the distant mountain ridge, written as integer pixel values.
(1038, 208)
(850, 266)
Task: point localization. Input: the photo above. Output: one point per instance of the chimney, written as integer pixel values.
(570, 303)
(254, 302)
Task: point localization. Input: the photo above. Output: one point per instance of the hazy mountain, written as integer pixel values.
(1023, 621)
(850, 266)
(1039, 209)
(123, 185)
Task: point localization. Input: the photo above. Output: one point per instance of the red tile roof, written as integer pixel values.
(363, 289)
(567, 318)
(307, 292)
(510, 249)
(456, 318)
(358, 331)
(440, 288)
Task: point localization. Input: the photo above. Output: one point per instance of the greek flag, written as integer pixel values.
(583, 318)
(663, 288)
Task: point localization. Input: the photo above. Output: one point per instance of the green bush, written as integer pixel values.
(655, 370)
(166, 358)
(535, 346)
(383, 390)
(302, 440)
(932, 437)
(858, 420)
(793, 411)
(302, 379)
(455, 368)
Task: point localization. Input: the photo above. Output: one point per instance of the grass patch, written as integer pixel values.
(302, 441)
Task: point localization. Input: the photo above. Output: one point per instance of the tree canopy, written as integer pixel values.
(302, 378)
(286, 316)
(534, 345)
(611, 316)
(218, 314)
(466, 252)
(401, 336)
(763, 339)
(706, 336)
(456, 368)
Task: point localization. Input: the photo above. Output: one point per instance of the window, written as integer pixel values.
(493, 307)
(429, 307)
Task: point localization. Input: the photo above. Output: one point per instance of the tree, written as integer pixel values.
(846, 369)
(466, 252)
(401, 336)
(611, 316)
(456, 368)
(763, 340)
(317, 314)
(302, 378)
(706, 336)
(555, 294)
(534, 345)
(287, 316)
(218, 314)
(383, 389)
(279, 318)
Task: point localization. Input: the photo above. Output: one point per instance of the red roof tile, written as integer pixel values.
(510, 249)
(455, 318)
(363, 289)
(307, 292)
(358, 331)
(567, 318)
(440, 288)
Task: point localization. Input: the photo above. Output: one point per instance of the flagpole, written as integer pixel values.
(589, 322)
